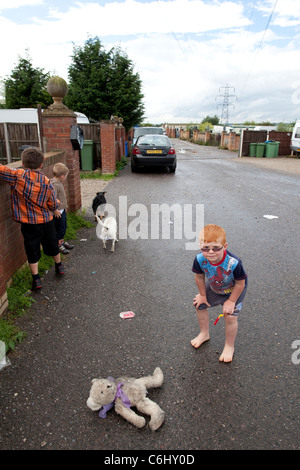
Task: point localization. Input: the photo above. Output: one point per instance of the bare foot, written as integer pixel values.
(227, 354)
(201, 338)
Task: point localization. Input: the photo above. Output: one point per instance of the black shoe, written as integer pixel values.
(59, 269)
(36, 284)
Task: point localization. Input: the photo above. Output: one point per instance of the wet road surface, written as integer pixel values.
(75, 332)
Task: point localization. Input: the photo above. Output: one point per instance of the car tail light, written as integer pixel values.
(171, 151)
(136, 151)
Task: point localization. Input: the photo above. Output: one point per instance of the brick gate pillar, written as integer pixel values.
(108, 154)
(57, 121)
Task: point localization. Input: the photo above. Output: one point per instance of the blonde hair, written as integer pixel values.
(212, 233)
(60, 169)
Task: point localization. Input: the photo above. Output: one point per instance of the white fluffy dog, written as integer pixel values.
(107, 230)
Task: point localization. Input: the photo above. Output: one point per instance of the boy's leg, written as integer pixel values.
(50, 245)
(203, 320)
(31, 235)
(231, 328)
(57, 258)
(34, 268)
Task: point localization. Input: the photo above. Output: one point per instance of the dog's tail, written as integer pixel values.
(99, 221)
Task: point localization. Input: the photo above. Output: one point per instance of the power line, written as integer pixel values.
(259, 46)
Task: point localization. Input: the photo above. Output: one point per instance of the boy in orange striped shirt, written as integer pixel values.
(33, 202)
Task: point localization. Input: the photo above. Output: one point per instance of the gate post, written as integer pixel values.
(57, 123)
(108, 154)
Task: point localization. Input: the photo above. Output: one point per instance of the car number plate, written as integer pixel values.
(154, 151)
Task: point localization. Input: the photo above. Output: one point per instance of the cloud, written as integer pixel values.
(184, 51)
(5, 5)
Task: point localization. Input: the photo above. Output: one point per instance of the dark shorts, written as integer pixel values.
(217, 299)
(36, 235)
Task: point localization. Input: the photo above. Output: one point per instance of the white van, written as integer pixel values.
(295, 140)
(138, 131)
(30, 116)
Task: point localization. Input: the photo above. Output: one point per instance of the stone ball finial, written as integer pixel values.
(57, 87)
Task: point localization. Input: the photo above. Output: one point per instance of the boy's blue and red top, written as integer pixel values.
(221, 276)
(32, 195)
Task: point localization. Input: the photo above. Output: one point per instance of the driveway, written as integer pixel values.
(75, 332)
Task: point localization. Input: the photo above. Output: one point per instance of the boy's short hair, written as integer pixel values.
(32, 158)
(60, 169)
(212, 233)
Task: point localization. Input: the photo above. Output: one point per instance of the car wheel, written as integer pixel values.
(172, 169)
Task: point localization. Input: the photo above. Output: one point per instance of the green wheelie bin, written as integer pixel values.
(87, 155)
(260, 149)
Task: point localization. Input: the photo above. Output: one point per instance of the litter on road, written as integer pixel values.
(128, 314)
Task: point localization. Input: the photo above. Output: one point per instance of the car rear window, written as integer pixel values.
(154, 140)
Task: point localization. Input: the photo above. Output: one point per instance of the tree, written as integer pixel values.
(27, 86)
(103, 83)
(214, 120)
(285, 127)
(124, 89)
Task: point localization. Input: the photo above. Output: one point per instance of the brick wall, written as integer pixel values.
(12, 253)
(231, 140)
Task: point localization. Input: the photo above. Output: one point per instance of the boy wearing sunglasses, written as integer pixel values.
(226, 285)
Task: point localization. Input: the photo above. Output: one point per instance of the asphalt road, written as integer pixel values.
(75, 332)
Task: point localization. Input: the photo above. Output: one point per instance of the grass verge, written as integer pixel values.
(19, 293)
(107, 177)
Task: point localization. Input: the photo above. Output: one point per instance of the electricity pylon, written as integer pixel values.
(227, 96)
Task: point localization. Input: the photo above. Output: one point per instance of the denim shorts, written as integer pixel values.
(218, 299)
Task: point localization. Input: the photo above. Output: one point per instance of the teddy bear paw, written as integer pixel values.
(140, 422)
(157, 421)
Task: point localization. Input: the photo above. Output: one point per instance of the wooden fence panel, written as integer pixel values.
(261, 136)
(252, 136)
(285, 141)
(19, 134)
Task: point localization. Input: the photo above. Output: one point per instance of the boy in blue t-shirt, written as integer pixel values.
(226, 285)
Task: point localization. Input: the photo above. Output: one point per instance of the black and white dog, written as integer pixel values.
(98, 205)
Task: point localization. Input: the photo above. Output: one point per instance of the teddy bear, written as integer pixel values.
(125, 392)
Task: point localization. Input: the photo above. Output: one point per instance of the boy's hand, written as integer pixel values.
(228, 307)
(56, 213)
(200, 299)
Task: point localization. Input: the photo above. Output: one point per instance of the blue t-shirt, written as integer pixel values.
(221, 276)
